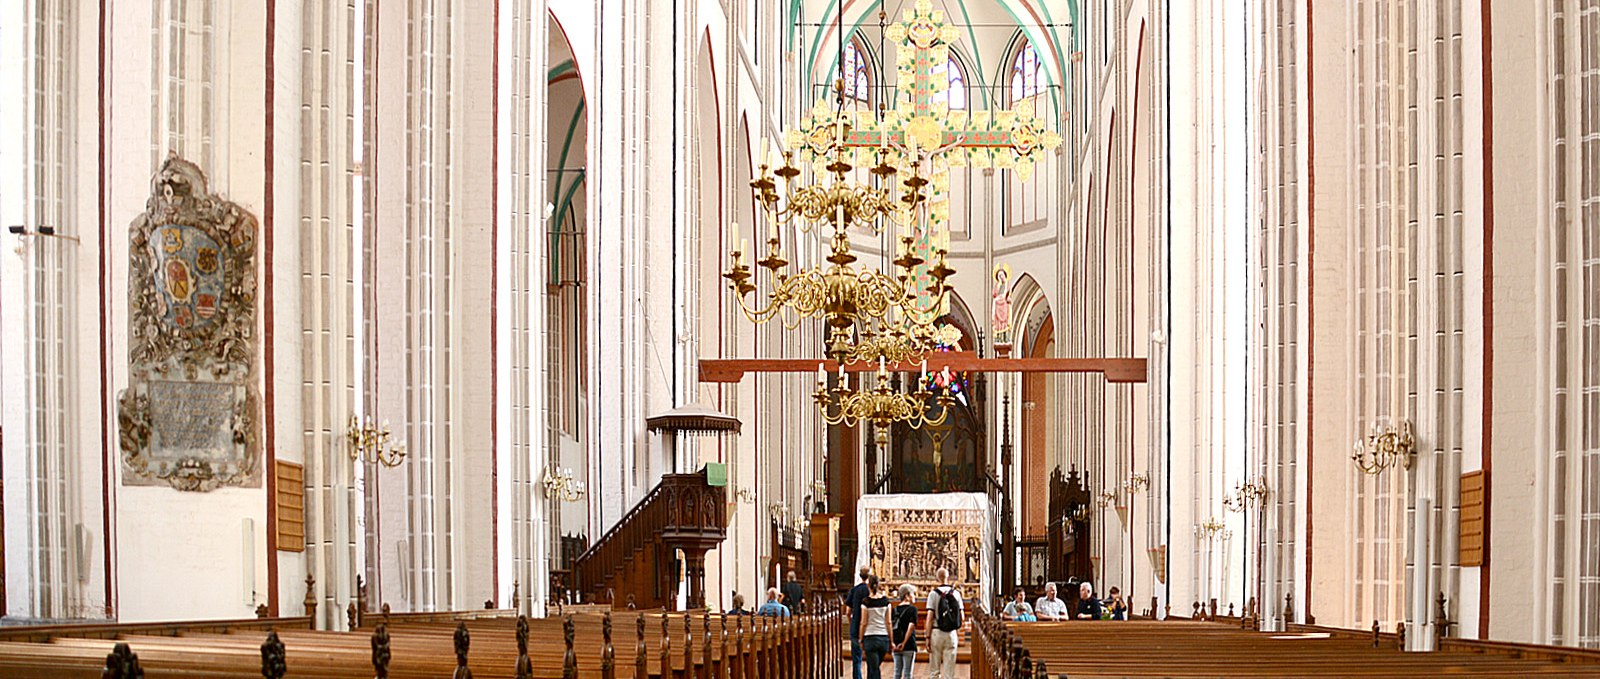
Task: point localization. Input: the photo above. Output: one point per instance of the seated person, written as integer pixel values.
(1050, 607)
(773, 608)
(1018, 609)
(1116, 606)
(1089, 608)
(738, 605)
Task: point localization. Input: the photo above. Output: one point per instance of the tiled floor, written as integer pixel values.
(920, 672)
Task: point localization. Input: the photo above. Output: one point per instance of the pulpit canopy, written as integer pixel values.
(693, 419)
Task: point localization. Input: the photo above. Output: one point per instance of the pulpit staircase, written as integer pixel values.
(635, 562)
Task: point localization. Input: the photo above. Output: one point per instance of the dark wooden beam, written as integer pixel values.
(1116, 370)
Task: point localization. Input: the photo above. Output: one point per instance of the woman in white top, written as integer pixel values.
(874, 629)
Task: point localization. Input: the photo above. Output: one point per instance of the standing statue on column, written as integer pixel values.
(1000, 305)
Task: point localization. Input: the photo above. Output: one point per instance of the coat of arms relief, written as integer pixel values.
(189, 415)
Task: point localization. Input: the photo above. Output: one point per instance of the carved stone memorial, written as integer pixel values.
(189, 415)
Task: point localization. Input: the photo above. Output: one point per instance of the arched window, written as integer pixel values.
(1030, 201)
(1027, 79)
(857, 74)
(956, 94)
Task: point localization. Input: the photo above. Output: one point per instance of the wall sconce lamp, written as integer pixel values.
(1136, 484)
(47, 231)
(1384, 447)
(559, 484)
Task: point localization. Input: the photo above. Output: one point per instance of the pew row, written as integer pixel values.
(1144, 648)
(625, 644)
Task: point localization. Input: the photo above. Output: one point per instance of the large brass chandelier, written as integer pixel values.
(883, 404)
(892, 342)
(868, 313)
(843, 169)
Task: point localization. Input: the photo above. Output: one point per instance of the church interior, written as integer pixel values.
(1212, 304)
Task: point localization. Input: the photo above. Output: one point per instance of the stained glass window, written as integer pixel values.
(956, 94)
(1026, 79)
(857, 77)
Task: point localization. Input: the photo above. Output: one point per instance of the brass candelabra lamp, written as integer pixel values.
(841, 200)
(882, 405)
(559, 484)
(897, 344)
(1136, 484)
(1106, 498)
(845, 296)
(1247, 495)
(1210, 529)
(1384, 447)
(372, 442)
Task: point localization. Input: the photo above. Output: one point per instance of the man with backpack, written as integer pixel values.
(943, 627)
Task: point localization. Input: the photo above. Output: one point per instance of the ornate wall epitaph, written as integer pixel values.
(188, 417)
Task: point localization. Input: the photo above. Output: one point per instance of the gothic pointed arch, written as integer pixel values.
(1034, 329)
(566, 279)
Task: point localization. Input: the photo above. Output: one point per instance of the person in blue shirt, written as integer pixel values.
(773, 608)
(857, 594)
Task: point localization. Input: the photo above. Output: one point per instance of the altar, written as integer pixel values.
(907, 538)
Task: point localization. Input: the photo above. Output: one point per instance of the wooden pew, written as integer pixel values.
(694, 645)
(1221, 648)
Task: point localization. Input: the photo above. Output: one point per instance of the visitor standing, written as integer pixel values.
(943, 627)
(904, 636)
(874, 629)
(853, 599)
(794, 595)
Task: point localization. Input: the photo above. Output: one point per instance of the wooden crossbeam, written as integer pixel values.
(1116, 370)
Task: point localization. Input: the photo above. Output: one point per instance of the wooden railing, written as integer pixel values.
(112, 630)
(370, 619)
(626, 644)
(632, 563)
(996, 652)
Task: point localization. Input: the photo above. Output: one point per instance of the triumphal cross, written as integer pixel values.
(922, 129)
(920, 126)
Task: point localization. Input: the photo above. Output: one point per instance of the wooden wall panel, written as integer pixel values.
(1471, 552)
(291, 500)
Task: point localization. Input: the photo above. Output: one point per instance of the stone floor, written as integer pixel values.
(919, 672)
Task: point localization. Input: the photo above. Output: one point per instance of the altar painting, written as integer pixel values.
(909, 537)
